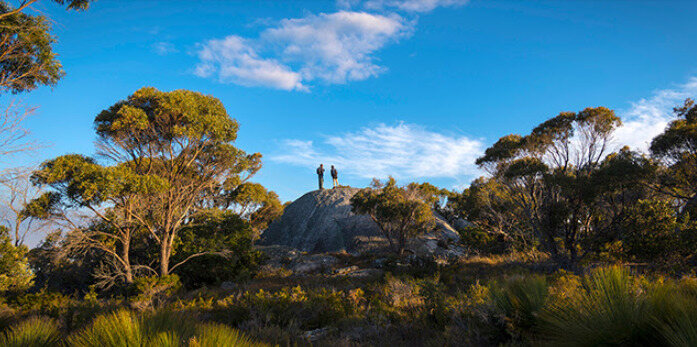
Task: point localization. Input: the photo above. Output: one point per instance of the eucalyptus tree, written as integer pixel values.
(548, 177)
(114, 195)
(25, 208)
(27, 60)
(488, 204)
(164, 156)
(399, 212)
(676, 147)
(253, 203)
(184, 139)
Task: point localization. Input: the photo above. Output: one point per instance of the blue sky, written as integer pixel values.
(412, 88)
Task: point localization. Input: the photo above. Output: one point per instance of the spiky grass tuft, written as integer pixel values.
(32, 332)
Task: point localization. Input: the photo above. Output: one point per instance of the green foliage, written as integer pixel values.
(309, 309)
(557, 188)
(651, 231)
(68, 275)
(212, 335)
(437, 197)
(505, 148)
(676, 147)
(270, 210)
(48, 303)
(520, 299)
(252, 202)
(153, 290)
(485, 242)
(610, 310)
(121, 328)
(28, 60)
(172, 156)
(212, 230)
(124, 328)
(35, 332)
(183, 138)
(15, 274)
(82, 182)
(400, 213)
(525, 167)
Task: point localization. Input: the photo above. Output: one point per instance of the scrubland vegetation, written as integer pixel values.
(513, 299)
(151, 241)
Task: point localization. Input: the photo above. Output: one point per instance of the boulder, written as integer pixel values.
(321, 221)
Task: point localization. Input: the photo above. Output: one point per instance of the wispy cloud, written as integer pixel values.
(420, 6)
(405, 151)
(648, 117)
(329, 48)
(164, 48)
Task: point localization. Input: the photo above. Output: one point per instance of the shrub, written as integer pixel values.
(152, 291)
(483, 241)
(650, 230)
(291, 307)
(15, 274)
(215, 230)
(32, 332)
(47, 303)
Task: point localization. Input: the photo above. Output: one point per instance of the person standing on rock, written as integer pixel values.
(320, 175)
(335, 176)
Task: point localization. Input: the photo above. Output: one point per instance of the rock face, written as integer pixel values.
(322, 221)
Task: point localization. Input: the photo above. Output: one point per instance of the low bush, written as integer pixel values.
(153, 291)
(484, 242)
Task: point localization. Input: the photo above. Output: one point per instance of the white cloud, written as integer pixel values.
(405, 151)
(336, 47)
(232, 59)
(332, 48)
(649, 117)
(420, 6)
(164, 48)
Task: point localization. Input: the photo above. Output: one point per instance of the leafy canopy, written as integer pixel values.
(400, 212)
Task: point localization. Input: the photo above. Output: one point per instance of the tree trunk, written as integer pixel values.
(127, 262)
(164, 258)
(17, 240)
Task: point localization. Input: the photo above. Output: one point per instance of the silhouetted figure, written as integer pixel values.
(335, 176)
(320, 175)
